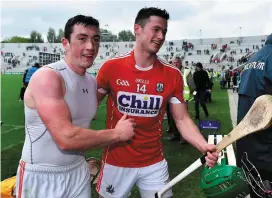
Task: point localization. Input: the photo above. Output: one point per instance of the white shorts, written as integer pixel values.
(38, 181)
(117, 182)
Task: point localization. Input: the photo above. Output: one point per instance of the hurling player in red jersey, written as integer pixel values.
(141, 84)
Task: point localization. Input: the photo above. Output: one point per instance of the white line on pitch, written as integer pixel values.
(13, 125)
(13, 129)
(12, 145)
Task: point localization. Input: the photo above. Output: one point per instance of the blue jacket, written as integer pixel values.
(29, 73)
(256, 80)
(257, 75)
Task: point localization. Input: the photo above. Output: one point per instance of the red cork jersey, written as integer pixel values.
(143, 94)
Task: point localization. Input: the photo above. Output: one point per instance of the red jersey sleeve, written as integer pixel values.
(103, 78)
(177, 96)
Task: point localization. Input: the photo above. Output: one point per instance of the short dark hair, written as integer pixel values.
(37, 65)
(79, 20)
(199, 65)
(145, 13)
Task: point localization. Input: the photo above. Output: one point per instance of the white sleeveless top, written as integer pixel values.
(80, 96)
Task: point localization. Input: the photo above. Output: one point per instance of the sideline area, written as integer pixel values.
(233, 104)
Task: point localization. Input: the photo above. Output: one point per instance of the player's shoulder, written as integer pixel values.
(114, 64)
(46, 73)
(46, 77)
(90, 76)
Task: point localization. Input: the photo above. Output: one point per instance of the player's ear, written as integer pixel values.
(137, 29)
(65, 43)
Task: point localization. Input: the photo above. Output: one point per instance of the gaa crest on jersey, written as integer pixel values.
(159, 87)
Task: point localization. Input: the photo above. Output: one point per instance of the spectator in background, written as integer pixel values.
(208, 98)
(228, 77)
(23, 88)
(26, 78)
(201, 80)
(173, 130)
(234, 78)
(29, 73)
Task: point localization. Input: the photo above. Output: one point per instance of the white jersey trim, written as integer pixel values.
(144, 68)
(103, 91)
(121, 56)
(174, 100)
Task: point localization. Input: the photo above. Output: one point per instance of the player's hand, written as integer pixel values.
(212, 155)
(125, 128)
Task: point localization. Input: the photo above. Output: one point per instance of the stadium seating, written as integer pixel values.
(28, 53)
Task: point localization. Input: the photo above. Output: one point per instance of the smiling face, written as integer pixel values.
(83, 46)
(152, 35)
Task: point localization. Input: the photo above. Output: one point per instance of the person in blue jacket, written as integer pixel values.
(256, 80)
(27, 75)
(30, 72)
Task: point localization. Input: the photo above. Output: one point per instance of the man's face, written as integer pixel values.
(177, 63)
(198, 68)
(152, 36)
(83, 47)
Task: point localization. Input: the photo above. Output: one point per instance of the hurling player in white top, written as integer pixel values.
(141, 84)
(60, 103)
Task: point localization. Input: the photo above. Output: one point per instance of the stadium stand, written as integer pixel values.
(212, 53)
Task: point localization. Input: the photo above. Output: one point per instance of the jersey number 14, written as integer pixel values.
(141, 88)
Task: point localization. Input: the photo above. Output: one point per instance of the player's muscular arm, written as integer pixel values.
(47, 90)
(186, 126)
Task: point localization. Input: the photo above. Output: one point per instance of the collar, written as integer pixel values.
(132, 59)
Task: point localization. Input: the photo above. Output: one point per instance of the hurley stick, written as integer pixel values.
(259, 117)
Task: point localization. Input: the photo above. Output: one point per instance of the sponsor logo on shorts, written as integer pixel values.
(135, 104)
(110, 189)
